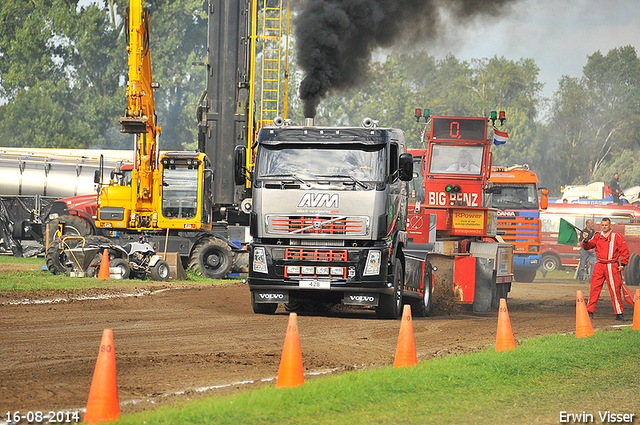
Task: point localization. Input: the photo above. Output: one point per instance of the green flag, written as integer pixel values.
(567, 233)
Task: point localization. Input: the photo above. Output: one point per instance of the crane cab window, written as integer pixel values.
(179, 191)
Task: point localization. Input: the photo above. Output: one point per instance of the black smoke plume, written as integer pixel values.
(335, 38)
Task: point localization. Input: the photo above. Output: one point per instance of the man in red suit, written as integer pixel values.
(610, 247)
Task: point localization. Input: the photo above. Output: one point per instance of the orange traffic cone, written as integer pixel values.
(103, 402)
(504, 337)
(104, 265)
(290, 372)
(406, 349)
(636, 311)
(583, 323)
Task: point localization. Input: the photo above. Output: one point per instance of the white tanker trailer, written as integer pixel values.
(32, 179)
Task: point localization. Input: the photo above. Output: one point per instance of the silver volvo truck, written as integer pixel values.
(328, 220)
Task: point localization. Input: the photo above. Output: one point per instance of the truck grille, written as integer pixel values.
(318, 225)
(315, 254)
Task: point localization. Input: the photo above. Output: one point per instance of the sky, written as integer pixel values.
(558, 34)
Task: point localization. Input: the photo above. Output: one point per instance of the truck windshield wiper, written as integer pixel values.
(343, 176)
(293, 176)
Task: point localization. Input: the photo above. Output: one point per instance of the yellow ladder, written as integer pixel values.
(271, 61)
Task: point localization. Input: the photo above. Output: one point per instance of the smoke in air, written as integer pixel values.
(335, 38)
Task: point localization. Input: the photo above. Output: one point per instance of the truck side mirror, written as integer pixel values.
(544, 198)
(97, 177)
(239, 161)
(406, 167)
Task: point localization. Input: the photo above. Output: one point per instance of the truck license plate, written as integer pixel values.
(315, 284)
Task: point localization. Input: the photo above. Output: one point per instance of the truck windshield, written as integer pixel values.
(516, 197)
(355, 163)
(179, 192)
(456, 159)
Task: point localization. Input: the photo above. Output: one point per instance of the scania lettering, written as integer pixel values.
(328, 220)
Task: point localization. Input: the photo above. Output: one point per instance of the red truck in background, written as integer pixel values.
(625, 219)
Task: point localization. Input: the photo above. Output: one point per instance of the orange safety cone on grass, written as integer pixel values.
(504, 336)
(290, 373)
(583, 323)
(636, 311)
(406, 349)
(103, 404)
(103, 273)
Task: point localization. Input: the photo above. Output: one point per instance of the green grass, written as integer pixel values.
(37, 279)
(530, 384)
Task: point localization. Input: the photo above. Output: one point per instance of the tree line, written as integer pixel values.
(63, 73)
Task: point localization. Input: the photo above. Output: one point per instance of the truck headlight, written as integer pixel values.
(259, 260)
(372, 267)
(534, 248)
(293, 269)
(322, 270)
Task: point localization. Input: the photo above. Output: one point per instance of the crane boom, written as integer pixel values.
(140, 117)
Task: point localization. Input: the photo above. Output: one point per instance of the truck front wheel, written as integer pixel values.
(390, 306)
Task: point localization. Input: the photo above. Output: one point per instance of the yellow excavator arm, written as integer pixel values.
(140, 117)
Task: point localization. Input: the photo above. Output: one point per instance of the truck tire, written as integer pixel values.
(632, 271)
(422, 307)
(211, 258)
(263, 308)
(160, 271)
(390, 306)
(526, 276)
(550, 262)
(73, 225)
(123, 265)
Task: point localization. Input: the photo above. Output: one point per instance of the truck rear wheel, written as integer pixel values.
(262, 308)
(211, 258)
(390, 306)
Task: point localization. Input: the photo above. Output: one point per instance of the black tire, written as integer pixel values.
(56, 259)
(390, 306)
(632, 271)
(211, 258)
(422, 307)
(73, 226)
(263, 308)
(160, 271)
(526, 276)
(123, 265)
(550, 262)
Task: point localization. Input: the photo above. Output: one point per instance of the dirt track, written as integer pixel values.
(181, 341)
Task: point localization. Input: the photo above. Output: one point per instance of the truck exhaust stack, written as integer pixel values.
(308, 121)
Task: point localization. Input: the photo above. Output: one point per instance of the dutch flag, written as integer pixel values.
(499, 137)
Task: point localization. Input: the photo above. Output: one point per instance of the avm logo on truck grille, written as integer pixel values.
(318, 200)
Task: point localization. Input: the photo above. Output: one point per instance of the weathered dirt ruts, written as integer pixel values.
(178, 341)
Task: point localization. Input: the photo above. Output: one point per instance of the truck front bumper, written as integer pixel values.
(278, 273)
